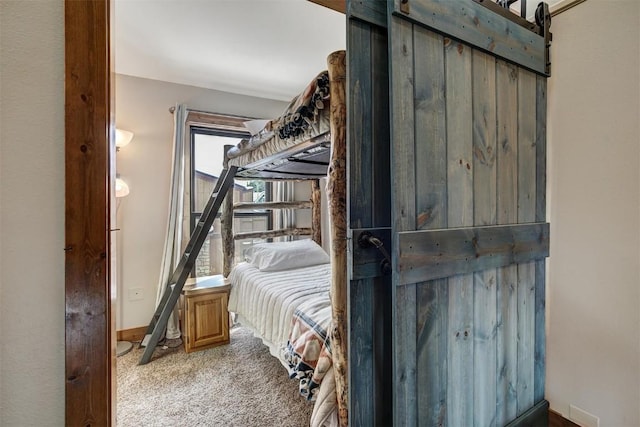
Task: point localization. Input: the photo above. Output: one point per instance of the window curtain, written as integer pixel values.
(173, 240)
(283, 191)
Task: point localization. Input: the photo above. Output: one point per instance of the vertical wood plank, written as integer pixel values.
(507, 208)
(361, 374)
(431, 209)
(526, 213)
(359, 125)
(459, 214)
(381, 216)
(382, 345)
(403, 216)
(402, 127)
(432, 351)
(90, 337)
(369, 206)
(430, 128)
(380, 133)
(541, 208)
(484, 193)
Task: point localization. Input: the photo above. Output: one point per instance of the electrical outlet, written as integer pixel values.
(582, 417)
(135, 294)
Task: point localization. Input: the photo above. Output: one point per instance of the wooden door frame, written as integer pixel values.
(89, 296)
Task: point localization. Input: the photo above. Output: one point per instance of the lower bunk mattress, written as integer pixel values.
(290, 311)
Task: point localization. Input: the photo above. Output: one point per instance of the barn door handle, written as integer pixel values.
(368, 240)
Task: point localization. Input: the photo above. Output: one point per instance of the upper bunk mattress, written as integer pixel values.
(295, 145)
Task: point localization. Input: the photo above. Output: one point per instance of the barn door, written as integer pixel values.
(468, 232)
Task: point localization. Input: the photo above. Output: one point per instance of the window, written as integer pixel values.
(207, 156)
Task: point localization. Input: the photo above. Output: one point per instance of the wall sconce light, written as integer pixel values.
(123, 137)
(122, 189)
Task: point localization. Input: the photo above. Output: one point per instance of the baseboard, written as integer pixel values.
(557, 420)
(133, 334)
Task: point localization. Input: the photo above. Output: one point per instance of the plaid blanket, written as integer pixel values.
(308, 351)
(300, 116)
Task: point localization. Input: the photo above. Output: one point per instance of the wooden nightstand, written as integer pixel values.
(205, 318)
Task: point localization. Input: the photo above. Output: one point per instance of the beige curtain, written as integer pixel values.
(173, 239)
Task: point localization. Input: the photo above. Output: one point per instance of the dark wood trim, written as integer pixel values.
(557, 420)
(536, 416)
(337, 5)
(89, 320)
(217, 121)
(132, 334)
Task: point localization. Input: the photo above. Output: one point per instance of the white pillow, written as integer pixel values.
(255, 126)
(286, 255)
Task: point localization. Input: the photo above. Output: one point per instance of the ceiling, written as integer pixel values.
(264, 48)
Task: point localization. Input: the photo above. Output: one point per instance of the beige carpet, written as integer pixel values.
(239, 384)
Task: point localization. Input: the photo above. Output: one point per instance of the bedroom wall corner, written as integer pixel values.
(593, 341)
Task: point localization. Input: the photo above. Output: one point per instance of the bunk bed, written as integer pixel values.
(298, 310)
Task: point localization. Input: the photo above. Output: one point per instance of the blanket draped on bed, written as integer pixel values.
(308, 350)
(300, 116)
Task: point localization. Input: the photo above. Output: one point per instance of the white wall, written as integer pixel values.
(32, 213)
(593, 346)
(142, 106)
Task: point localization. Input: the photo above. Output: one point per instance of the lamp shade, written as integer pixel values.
(123, 137)
(122, 189)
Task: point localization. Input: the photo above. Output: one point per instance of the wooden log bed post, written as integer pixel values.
(226, 224)
(316, 212)
(337, 196)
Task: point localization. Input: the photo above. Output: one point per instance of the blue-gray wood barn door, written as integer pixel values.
(447, 166)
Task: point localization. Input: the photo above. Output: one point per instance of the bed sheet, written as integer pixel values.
(266, 301)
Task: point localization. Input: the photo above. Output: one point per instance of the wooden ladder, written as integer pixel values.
(176, 282)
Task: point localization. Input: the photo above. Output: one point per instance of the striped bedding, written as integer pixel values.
(267, 301)
(291, 311)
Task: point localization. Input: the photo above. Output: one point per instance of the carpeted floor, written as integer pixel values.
(239, 384)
